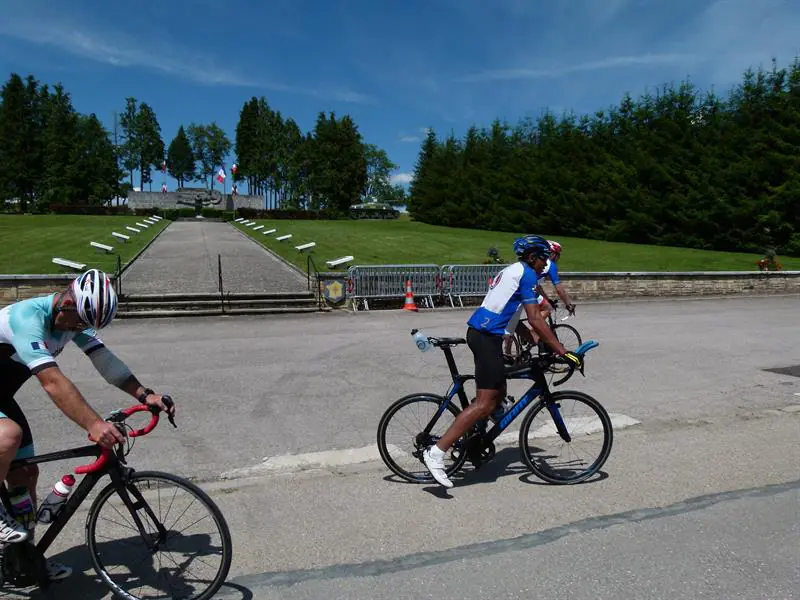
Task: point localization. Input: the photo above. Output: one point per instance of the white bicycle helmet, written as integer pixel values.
(95, 298)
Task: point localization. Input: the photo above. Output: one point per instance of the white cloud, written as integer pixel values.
(409, 138)
(120, 50)
(612, 62)
(401, 178)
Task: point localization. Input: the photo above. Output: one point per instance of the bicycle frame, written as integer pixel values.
(107, 463)
(83, 489)
(539, 388)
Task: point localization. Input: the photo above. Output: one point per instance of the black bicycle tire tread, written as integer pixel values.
(608, 437)
(568, 374)
(224, 529)
(384, 422)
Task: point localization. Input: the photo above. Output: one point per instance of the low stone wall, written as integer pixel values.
(20, 287)
(581, 286)
(598, 286)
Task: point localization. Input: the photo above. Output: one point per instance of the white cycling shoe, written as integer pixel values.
(11, 530)
(434, 461)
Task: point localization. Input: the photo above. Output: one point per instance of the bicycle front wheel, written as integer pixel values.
(401, 437)
(170, 540)
(566, 440)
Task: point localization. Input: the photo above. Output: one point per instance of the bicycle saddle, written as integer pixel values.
(447, 341)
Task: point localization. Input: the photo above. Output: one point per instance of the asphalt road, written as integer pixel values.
(698, 500)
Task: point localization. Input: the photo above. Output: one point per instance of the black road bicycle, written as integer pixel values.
(137, 529)
(564, 438)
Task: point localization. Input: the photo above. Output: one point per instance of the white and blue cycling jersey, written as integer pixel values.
(27, 337)
(510, 289)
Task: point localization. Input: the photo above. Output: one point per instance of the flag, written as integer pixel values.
(234, 168)
(221, 175)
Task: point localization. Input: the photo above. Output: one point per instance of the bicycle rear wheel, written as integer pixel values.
(568, 441)
(401, 440)
(167, 560)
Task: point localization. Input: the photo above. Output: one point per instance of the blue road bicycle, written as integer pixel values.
(564, 438)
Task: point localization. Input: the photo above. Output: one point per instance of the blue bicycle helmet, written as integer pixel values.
(532, 244)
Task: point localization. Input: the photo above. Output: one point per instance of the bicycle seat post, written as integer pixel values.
(451, 362)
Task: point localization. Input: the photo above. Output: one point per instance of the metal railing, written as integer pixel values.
(467, 281)
(373, 282)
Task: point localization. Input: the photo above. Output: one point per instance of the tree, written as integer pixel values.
(210, 147)
(131, 148)
(93, 171)
(60, 138)
(379, 169)
(198, 136)
(180, 159)
(151, 146)
(21, 147)
(219, 146)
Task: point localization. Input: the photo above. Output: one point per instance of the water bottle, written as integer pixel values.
(421, 340)
(502, 408)
(22, 503)
(55, 500)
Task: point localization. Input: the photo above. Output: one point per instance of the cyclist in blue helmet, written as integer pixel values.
(512, 289)
(550, 272)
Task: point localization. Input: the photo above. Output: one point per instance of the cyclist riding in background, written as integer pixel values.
(32, 333)
(513, 289)
(550, 272)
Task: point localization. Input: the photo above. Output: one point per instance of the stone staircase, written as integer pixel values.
(202, 304)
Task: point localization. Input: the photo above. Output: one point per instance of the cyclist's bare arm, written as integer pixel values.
(538, 324)
(69, 400)
(118, 374)
(562, 293)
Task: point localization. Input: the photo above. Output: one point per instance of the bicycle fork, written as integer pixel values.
(135, 505)
(555, 412)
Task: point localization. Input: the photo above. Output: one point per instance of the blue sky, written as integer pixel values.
(396, 67)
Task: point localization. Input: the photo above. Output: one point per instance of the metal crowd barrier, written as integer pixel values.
(467, 280)
(373, 282)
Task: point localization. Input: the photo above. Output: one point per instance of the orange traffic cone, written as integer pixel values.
(409, 303)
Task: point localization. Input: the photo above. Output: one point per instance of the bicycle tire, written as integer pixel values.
(197, 494)
(422, 476)
(571, 339)
(576, 477)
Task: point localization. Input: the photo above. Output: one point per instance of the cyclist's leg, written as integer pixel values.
(10, 438)
(490, 381)
(25, 476)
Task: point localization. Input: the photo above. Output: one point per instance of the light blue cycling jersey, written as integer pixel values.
(27, 336)
(510, 289)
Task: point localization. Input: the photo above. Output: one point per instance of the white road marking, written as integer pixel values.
(352, 456)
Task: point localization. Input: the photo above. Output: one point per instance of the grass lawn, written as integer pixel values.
(404, 241)
(28, 243)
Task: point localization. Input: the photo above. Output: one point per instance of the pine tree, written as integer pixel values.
(180, 159)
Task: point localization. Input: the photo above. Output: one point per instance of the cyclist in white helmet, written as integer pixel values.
(32, 333)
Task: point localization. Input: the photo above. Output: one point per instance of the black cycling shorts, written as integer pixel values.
(12, 376)
(489, 367)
